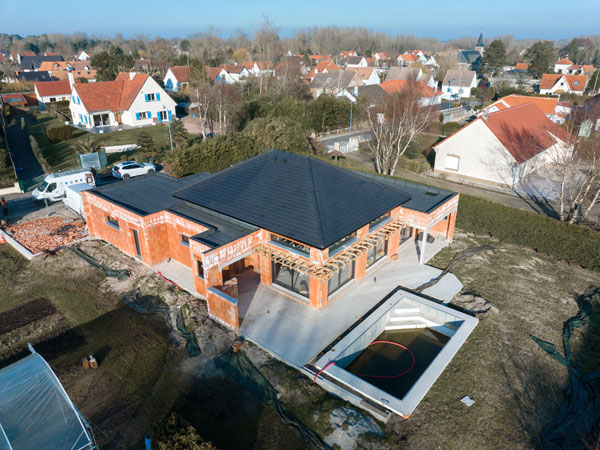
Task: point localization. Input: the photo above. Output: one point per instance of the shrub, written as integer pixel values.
(572, 243)
(450, 127)
(59, 134)
(4, 158)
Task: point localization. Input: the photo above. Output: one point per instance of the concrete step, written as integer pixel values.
(407, 318)
(416, 310)
(405, 325)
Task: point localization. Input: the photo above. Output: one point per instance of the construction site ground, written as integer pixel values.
(69, 309)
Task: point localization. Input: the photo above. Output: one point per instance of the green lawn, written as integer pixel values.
(61, 156)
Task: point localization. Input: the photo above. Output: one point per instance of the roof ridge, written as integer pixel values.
(316, 200)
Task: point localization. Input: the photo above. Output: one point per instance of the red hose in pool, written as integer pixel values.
(392, 376)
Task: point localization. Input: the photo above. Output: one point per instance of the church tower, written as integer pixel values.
(480, 47)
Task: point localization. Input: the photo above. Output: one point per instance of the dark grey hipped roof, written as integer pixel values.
(34, 76)
(147, 194)
(297, 196)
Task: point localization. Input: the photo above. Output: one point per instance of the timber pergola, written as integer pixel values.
(340, 260)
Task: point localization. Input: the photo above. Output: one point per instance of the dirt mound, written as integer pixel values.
(474, 303)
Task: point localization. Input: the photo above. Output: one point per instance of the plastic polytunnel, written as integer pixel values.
(35, 410)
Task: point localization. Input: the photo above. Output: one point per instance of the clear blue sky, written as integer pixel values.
(171, 18)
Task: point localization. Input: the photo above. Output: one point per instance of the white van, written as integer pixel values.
(72, 199)
(54, 185)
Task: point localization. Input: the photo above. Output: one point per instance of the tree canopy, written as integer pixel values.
(495, 57)
(542, 56)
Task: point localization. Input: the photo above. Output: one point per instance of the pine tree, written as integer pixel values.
(542, 56)
(145, 141)
(495, 57)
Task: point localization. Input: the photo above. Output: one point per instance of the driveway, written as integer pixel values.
(26, 164)
(330, 140)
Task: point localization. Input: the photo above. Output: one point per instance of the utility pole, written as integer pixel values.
(170, 136)
(351, 102)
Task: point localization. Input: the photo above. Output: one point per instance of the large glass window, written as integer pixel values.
(291, 279)
(341, 277)
(405, 233)
(376, 253)
(299, 248)
(342, 244)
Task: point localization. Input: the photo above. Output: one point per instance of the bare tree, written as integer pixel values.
(577, 172)
(394, 124)
(266, 40)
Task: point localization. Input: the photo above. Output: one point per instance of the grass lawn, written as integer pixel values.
(134, 383)
(61, 156)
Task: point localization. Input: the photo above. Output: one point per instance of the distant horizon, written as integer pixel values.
(440, 20)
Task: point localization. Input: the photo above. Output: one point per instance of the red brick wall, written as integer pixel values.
(223, 310)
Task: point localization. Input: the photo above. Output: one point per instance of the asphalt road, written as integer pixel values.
(330, 140)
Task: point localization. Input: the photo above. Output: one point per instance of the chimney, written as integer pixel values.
(485, 115)
(71, 79)
(131, 75)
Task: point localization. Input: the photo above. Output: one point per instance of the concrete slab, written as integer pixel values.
(178, 273)
(296, 333)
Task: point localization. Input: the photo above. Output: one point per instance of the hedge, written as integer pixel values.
(37, 152)
(572, 243)
(58, 134)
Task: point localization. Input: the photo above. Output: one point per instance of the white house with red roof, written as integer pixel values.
(503, 147)
(132, 99)
(176, 77)
(556, 83)
(52, 91)
(562, 66)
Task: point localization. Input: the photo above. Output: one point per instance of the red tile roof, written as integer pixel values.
(180, 73)
(565, 61)
(51, 88)
(115, 95)
(233, 68)
(575, 82)
(524, 130)
(363, 72)
(546, 104)
(326, 65)
(411, 58)
(391, 86)
(213, 72)
(522, 66)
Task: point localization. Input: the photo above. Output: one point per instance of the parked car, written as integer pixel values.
(54, 186)
(129, 169)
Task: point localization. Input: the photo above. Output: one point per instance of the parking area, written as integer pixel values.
(22, 208)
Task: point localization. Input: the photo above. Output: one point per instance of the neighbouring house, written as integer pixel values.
(591, 116)
(32, 63)
(405, 60)
(503, 147)
(580, 69)
(83, 56)
(563, 65)
(258, 68)
(368, 75)
(33, 76)
(348, 53)
(315, 59)
(524, 67)
(373, 93)
(429, 96)
(52, 91)
(381, 55)
(176, 77)
(300, 227)
(556, 83)
(355, 62)
(61, 69)
(411, 74)
(458, 83)
(556, 111)
(238, 73)
(132, 99)
(322, 67)
(334, 82)
(422, 57)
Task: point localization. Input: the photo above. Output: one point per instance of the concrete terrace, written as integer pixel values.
(296, 333)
